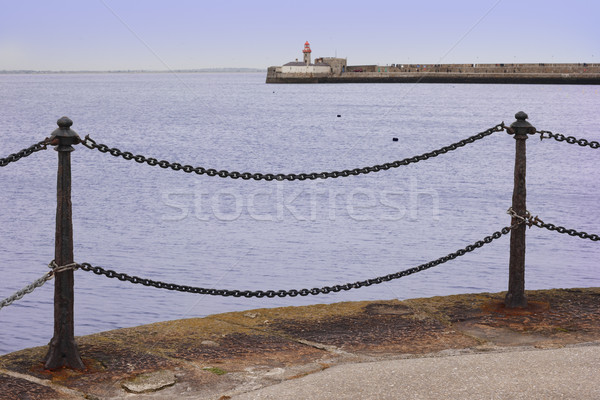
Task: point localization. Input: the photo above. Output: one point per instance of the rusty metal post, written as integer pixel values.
(63, 350)
(516, 274)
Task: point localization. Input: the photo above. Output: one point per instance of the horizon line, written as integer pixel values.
(118, 71)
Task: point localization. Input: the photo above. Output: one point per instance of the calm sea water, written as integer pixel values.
(223, 233)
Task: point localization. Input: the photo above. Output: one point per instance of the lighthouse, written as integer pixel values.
(303, 68)
(307, 52)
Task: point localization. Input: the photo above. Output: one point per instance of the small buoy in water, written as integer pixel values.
(339, 115)
(395, 139)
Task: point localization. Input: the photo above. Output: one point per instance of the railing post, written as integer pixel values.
(63, 350)
(516, 274)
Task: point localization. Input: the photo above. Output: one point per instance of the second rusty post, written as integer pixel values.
(516, 274)
(63, 350)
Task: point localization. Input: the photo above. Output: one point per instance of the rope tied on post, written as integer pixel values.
(56, 269)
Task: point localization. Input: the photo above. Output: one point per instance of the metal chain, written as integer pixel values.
(571, 232)
(91, 144)
(536, 221)
(559, 137)
(296, 292)
(561, 229)
(55, 269)
(24, 153)
(27, 289)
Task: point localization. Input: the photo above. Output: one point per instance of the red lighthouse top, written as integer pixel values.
(307, 48)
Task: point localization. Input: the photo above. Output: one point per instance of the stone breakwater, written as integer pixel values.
(569, 74)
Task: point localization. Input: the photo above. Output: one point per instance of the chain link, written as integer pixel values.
(561, 229)
(571, 232)
(559, 137)
(91, 144)
(295, 292)
(24, 153)
(536, 221)
(27, 289)
(55, 269)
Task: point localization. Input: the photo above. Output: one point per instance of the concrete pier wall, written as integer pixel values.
(540, 68)
(570, 74)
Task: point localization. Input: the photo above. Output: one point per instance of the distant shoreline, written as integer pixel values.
(177, 71)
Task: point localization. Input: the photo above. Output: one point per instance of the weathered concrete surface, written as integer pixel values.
(229, 354)
(567, 373)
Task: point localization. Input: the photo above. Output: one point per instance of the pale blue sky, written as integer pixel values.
(187, 34)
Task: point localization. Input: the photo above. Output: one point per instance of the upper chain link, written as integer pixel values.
(24, 153)
(296, 292)
(536, 221)
(559, 137)
(91, 144)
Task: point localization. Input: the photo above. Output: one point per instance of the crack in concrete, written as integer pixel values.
(319, 346)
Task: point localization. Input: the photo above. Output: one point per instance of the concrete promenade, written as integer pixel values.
(567, 373)
(454, 347)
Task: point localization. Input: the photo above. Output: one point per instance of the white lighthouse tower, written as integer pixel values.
(307, 52)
